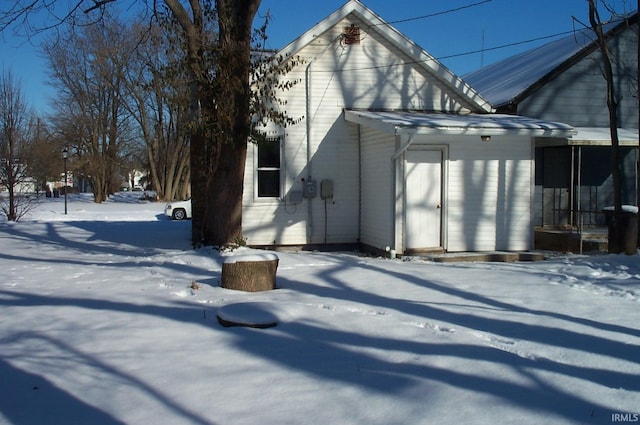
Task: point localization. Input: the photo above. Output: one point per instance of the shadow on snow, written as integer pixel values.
(336, 354)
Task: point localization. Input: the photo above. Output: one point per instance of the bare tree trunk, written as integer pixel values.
(198, 187)
(192, 25)
(11, 215)
(16, 148)
(219, 144)
(11, 178)
(225, 197)
(223, 223)
(616, 245)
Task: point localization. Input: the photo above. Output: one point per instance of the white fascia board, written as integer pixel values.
(365, 119)
(487, 131)
(593, 136)
(601, 136)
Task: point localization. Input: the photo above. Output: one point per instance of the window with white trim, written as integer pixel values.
(268, 181)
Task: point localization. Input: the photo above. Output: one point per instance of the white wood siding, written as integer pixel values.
(490, 194)
(377, 189)
(366, 75)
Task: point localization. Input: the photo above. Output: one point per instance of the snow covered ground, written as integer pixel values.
(108, 317)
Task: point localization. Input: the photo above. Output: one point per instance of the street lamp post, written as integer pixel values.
(65, 154)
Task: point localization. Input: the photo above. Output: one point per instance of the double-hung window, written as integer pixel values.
(268, 181)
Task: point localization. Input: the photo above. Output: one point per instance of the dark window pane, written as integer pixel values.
(269, 154)
(268, 183)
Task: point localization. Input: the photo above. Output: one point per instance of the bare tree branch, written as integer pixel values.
(98, 5)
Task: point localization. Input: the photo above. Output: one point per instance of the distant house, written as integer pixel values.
(563, 81)
(393, 151)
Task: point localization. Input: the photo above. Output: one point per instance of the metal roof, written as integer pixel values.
(399, 122)
(595, 136)
(506, 80)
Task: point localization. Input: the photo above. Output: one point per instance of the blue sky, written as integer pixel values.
(446, 36)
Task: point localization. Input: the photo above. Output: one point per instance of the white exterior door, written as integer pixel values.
(423, 199)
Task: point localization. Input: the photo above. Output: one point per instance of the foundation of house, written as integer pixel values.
(593, 239)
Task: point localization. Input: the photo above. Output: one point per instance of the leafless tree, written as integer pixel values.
(87, 70)
(218, 72)
(45, 159)
(159, 101)
(220, 129)
(16, 125)
(616, 238)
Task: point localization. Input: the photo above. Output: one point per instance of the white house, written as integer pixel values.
(393, 150)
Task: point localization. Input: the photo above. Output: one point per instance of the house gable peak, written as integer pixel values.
(417, 55)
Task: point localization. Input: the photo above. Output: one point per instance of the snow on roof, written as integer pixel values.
(394, 122)
(503, 81)
(602, 136)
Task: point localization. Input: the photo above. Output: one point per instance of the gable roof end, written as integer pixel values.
(419, 57)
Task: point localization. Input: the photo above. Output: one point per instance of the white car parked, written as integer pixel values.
(178, 210)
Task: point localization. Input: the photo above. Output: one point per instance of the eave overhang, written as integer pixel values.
(420, 123)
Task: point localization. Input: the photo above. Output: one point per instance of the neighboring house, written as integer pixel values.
(563, 81)
(393, 151)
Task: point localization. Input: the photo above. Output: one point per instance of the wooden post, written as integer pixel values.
(250, 273)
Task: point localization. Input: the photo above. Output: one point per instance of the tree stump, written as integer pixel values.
(250, 273)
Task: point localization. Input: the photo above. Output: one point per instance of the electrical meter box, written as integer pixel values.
(326, 189)
(309, 188)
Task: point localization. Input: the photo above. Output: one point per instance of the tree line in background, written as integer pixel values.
(121, 106)
(25, 153)
(175, 92)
